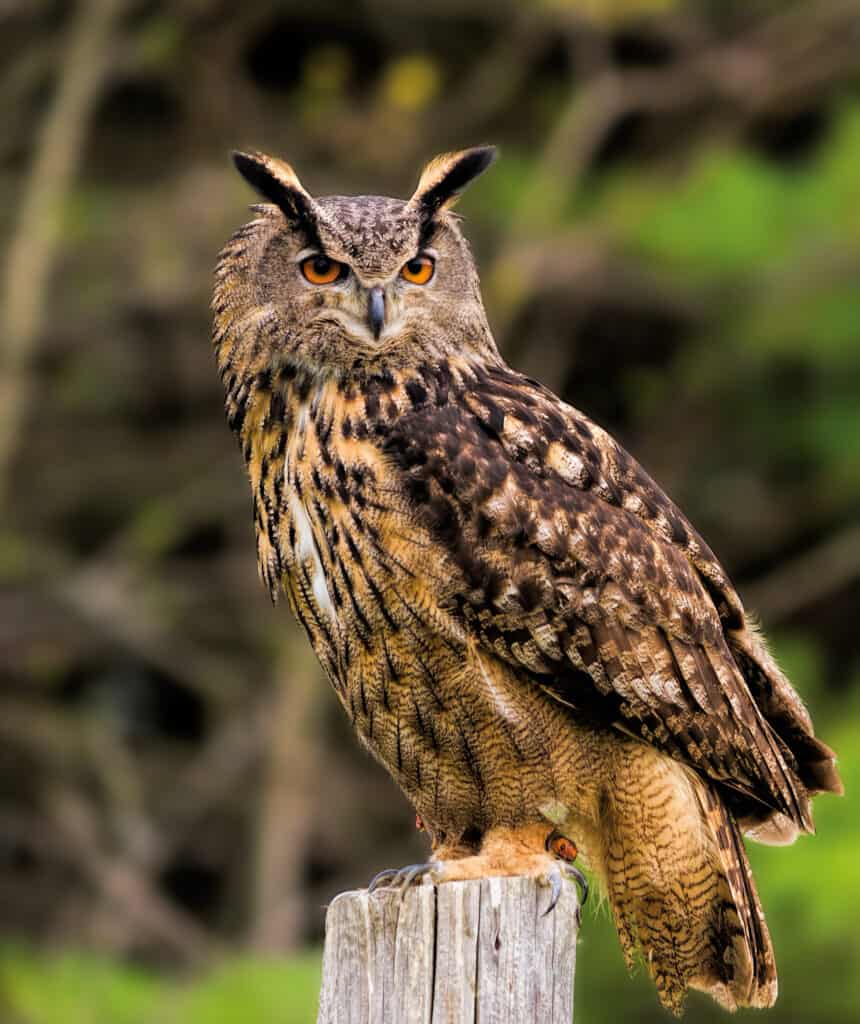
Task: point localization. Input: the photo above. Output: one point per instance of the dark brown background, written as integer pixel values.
(671, 240)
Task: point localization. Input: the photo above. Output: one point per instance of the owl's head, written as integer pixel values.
(346, 285)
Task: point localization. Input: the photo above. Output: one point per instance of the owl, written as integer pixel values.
(522, 628)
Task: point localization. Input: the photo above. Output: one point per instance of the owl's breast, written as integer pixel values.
(303, 559)
(338, 534)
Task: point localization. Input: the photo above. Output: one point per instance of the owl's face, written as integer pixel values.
(351, 285)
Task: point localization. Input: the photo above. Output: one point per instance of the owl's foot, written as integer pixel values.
(526, 851)
(565, 850)
(556, 876)
(402, 878)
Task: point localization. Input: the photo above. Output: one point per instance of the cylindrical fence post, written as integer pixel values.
(457, 953)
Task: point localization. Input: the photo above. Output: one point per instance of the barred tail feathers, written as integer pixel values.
(680, 886)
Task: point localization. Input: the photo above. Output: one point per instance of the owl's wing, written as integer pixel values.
(573, 565)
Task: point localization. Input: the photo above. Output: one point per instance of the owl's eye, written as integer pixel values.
(322, 270)
(419, 270)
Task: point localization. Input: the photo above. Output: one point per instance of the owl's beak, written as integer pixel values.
(376, 310)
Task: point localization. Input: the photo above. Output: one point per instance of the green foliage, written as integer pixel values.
(73, 988)
(733, 213)
(78, 989)
(772, 251)
(496, 201)
(250, 990)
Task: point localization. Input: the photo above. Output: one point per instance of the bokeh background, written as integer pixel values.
(671, 240)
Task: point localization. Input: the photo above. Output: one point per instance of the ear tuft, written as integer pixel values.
(445, 178)
(276, 181)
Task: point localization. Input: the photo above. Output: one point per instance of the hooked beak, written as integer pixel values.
(376, 310)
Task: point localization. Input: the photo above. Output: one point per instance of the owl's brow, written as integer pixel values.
(306, 226)
(429, 227)
(314, 250)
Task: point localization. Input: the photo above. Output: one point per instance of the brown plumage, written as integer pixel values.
(521, 626)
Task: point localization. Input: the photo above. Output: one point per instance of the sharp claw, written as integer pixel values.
(408, 876)
(401, 878)
(555, 881)
(580, 880)
(383, 876)
(555, 894)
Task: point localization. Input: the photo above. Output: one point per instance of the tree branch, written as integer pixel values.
(33, 249)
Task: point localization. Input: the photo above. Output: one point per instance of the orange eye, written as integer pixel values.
(322, 270)
(419, 270)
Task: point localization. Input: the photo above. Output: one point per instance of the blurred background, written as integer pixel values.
(671, 240)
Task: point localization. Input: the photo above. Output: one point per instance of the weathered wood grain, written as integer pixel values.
(478, 952)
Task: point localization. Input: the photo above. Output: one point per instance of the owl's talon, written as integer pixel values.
(555, 891)
(580, 880)
(555, 878)
(381, 877)
(401, 878)
(412, 874)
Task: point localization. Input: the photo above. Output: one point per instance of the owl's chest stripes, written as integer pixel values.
(337, 529)
(307, 549)
(332, 561)
(307, 556)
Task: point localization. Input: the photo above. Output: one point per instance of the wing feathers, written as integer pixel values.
(579, 570)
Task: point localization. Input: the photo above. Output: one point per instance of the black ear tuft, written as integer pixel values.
(276, 181)
(446, 177)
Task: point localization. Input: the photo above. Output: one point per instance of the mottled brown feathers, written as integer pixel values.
(606, 578)
(519, 623)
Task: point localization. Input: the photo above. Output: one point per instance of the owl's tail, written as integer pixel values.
(681, 888)
(752, 980)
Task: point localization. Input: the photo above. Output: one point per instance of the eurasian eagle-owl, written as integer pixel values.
(521, 626)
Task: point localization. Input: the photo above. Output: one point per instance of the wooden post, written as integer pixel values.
(457, 953)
